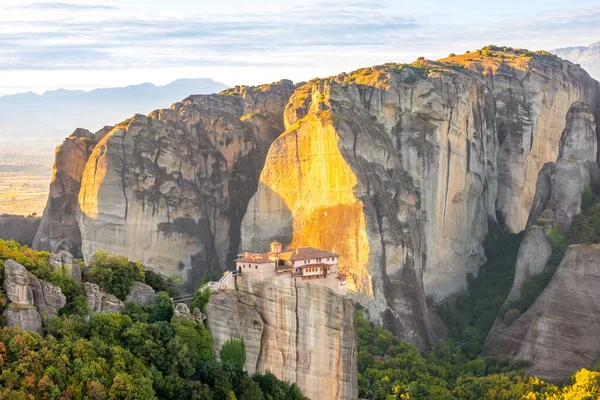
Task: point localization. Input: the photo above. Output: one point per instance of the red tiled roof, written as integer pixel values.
(341, 276)
(254, 258)
(304, 253)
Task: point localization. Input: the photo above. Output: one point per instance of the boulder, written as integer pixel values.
(48, 298)
(24, 315)
(141, 294)
(99, 301)
(182, 311)
(16, 283)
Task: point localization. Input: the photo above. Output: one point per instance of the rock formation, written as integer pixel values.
(29, 297)
(99, 301)
(401, 175)
(64, 263)
(17, 283)
(141, 294)
(24, 315)
(398, 168)
(18, 228)
(303, 334)
(558, 193)
(59, 229)
(556, 335)
(48, 298)
(169, 189)
(182, 311)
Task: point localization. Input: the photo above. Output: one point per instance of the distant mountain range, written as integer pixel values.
(54, 114)
(586, 56)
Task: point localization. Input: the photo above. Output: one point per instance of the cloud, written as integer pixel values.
(66, 36)
(44, 6)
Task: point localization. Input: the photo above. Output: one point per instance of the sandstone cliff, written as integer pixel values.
(59, 229)
(558, 193)
(401, 175)
(170, 188)
(302, 334)
(557, 335)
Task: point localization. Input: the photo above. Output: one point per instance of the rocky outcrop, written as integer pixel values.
(65, 264)
(18, 228)
(411, 171)
(29, 297)
(25, 316)
(141, 294)
(59, 229)
(534, 254)
(555, 336)
(182, 311)
(302, 334)
(169, 189)
(48, 298)
(558, 193)
(17, 283)
(99, 301)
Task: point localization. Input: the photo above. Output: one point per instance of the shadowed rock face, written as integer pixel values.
(558, 193)
(169, 189)
(19, 228)
(557, 334)
(302, 334)
(401, 178)
(59, 229)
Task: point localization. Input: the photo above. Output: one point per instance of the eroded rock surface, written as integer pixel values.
(558, 193)
(302, 334)
(182, 311)
(556, 335)
(59, 229)
(64, 263)
(29, 297)
(48, 298)
(141, 294)
(99, 301)
(411, 173)
(24, 315)
(169, 189)
(17, 283)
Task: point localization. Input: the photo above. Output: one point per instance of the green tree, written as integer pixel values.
(234, 351)
(115, 274)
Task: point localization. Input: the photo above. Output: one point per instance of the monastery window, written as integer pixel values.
(256, 267)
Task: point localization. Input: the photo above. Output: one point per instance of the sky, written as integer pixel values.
(86, 44)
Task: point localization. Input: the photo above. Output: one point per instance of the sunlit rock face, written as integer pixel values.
(169, 189)
(302, 333)
(58, 229)
(401, 178)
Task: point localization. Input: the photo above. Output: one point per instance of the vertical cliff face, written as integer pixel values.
(558, 193)
(302, 334)
(58, 229)
(170, 188)
(402, 177)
